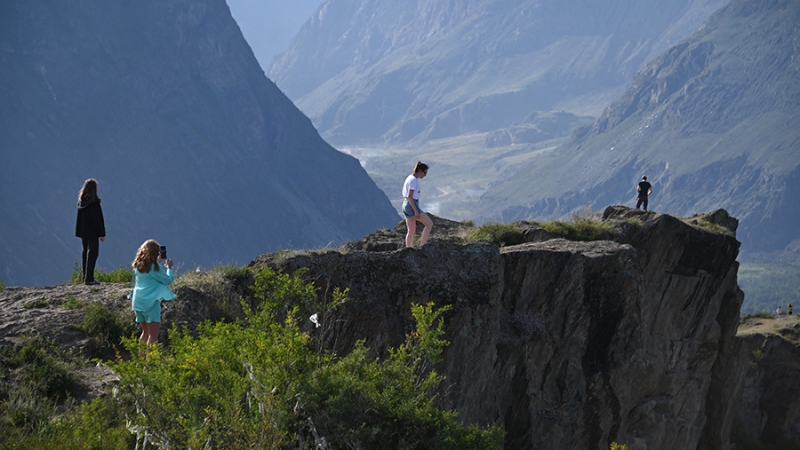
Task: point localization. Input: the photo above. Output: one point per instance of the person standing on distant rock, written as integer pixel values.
(644, 189)
(91, 228)
(152, 279)
(411, 209)
(789, 312)
(778, 313)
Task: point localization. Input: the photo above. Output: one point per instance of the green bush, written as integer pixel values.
(499, 234)
(265, 386)
(35, 304)
(107, 327)
(72, 303)
(582, 227)
(42, 368)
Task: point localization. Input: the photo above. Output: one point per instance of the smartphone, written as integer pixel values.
(163, 252)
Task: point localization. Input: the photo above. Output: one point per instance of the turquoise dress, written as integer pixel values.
(150, 289)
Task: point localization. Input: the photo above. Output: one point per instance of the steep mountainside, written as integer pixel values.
(164, 104)
(270, 26)
(368, 71)
(713, 122)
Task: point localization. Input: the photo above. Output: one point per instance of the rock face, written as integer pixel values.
(769, 411)
(163, 102)
(566, 344)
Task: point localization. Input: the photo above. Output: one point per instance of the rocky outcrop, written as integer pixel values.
(769, 411)
(566, 344)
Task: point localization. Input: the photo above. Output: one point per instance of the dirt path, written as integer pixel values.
(785, 326)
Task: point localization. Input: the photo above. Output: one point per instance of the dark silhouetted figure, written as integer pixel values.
(90, 227)
(644, 189)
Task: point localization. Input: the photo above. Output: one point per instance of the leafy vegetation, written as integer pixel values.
(262, 382)
(2, 285)
(586, 226)
(499, 234)
(34, 379)
(72, 303)
(106, 326)
(121, 275)
(767, 285)
(38, 303)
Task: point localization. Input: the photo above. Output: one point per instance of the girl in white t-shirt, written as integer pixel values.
(411, 209)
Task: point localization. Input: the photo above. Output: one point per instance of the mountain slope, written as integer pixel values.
(367, 71)
(269, 26)
(713, 122)
(164, 104)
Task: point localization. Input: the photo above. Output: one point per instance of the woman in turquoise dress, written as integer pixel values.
(152, 279)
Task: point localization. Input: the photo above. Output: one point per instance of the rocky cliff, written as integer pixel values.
(566, 344)
(769, 410)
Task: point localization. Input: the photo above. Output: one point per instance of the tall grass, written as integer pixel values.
(121, 275)
(499, 234)
(586, 226)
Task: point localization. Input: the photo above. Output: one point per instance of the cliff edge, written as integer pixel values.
(566, 344)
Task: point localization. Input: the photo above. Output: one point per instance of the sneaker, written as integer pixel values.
(92, 283)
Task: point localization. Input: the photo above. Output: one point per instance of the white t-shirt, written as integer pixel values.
(411, 183)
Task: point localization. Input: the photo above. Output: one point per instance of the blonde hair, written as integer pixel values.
(147, 256)
(89, 191)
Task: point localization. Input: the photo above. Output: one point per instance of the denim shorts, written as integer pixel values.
(408, 210)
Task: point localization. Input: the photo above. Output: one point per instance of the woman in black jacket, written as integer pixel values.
(90, 227)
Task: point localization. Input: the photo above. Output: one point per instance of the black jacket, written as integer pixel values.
(90, 222)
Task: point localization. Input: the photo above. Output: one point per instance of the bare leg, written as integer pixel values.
(411, 224)
(150, 332)
(427, 230)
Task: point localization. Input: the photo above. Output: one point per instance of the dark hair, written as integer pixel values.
(420, 166)
(89, 191)
(644, 177)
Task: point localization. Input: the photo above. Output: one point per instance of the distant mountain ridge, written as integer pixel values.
(713, 122)
(164, 104)
(370, 72)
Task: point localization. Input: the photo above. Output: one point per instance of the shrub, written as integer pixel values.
(39, 303)
(499, 234)
(105, 326)
(72, 303)
(2, 285)
(265, 386)
(582, 227)
(43, 369)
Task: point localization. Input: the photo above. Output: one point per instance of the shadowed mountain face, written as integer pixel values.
(164, 104)
(712, 121)
(367, 71)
